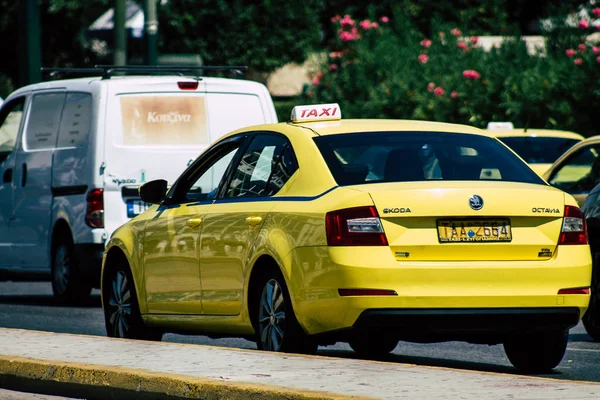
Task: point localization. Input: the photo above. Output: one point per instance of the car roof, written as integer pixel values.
(375, 125)
(534, 133)
(139, 79)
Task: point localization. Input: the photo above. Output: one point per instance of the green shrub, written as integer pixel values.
(375, 71)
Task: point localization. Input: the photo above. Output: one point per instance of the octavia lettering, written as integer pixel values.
(172, 117)
(545, 210)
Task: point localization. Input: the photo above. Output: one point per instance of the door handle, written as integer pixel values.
(253, 221)
(24, 176)
(7, 177)
(194, 222)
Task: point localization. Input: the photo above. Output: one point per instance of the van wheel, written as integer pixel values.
(68, 285)
(277, 327)
(537, 353)
(122, 315)
(373, 347)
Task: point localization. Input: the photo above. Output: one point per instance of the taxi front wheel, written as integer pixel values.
(537, 353)
(121, 310)
(277, 327)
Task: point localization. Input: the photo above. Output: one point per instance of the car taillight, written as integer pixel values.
(574, 228)
(359, 226)
(94, 215)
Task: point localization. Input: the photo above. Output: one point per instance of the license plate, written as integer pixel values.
(474, 230)
(136, 207)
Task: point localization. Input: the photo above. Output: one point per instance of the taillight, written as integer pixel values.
(94, 215)
(581, 290)
(188, 85)
(574, 228)
(359, 226)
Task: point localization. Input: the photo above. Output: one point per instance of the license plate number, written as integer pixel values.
(465, 230)
(136, 207)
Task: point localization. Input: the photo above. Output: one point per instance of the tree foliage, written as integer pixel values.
(262, 34)
(391, 70)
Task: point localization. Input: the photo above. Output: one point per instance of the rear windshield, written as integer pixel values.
(539, 150)
(370, 157)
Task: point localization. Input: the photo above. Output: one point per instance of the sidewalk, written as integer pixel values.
(104, 368)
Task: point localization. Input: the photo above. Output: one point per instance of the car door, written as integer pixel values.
(578, 173)
(11, 117)
(32, 180)
(171, 265)
(234, 220)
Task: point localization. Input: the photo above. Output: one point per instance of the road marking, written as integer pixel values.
(589, 350)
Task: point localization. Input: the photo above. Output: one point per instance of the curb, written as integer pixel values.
(96, 382)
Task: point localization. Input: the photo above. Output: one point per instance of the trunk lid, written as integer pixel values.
(516, 221)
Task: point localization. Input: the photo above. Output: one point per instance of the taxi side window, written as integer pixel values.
(265, 167)
(580, 173)
(10, 121)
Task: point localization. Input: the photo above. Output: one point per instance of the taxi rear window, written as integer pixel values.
(370, 157)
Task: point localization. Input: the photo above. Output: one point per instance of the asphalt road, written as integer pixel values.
(30, 305)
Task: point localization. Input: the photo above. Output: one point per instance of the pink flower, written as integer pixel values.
(471, 74)
(456, 32)
(315, 81)
(595, 49)
(570, 52)
(583, 23)
(438, 91)
(462, 45)
(333, 67)
(336, 18)
(346, 22)
(423, 58)
(431, 86)
(319, 75)
(578, 61)
(348, 36)
(374, 25)
(454, 94)
(425, 43)
(581, 47)
(384, 19)
(474, 39)
(335, 54)
(366, 24)
(598, 59)
(596, 12)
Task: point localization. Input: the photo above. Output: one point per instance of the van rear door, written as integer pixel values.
(154, 127)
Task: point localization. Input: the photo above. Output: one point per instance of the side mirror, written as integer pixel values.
(153, 192)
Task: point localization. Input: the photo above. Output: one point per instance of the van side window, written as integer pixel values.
(264, 168)
(10, 121)
(43, 121)
(75, 122)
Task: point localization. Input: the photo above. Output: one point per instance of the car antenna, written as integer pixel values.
(527, 123)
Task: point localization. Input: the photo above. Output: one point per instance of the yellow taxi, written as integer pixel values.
(538, 147)
(322, 230)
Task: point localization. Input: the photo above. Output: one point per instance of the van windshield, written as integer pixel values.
(369, 157)
(151, 120)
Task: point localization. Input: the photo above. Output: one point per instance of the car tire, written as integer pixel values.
(277, 328)
(537, 353)
(122, 315)
(68, 283)
(591, 318)
(372, 347)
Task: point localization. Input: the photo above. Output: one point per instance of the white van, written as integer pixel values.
(73, 153)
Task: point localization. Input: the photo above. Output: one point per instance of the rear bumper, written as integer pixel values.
(468, 324)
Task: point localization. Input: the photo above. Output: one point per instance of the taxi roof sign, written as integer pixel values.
(316, 112)
(500, 125)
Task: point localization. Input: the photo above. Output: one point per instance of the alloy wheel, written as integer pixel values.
(120, 305)
(271, 317)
